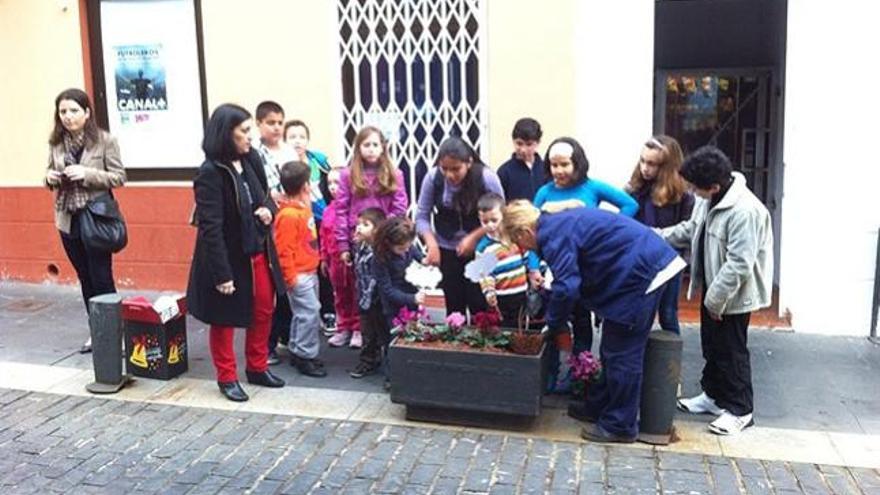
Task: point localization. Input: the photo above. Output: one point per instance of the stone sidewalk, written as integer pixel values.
(53, 443)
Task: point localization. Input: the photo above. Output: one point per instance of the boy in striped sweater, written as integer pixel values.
(505, 288)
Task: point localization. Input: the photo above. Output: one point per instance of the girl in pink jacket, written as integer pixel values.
(371, 181)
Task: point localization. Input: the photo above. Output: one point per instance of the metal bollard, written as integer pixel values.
(659, 387)
(105, 324)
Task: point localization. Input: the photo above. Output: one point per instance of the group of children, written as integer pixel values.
(349, 224)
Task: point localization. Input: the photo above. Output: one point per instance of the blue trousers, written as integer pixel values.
(614, 400)
(667, 313)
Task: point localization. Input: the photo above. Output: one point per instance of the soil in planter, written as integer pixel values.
(461, 347)
(454, 346)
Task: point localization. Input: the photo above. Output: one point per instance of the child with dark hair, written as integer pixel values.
(393, 252)
(374, 327)
(524, 173)
(505, 288)
(270, 118)
(297, 241)
(566, 162)
(448, 200)
(297, 136)
(730, 234)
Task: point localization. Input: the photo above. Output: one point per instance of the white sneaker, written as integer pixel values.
(339, 338)
(356, 341)
(701, 404)
(728, 424)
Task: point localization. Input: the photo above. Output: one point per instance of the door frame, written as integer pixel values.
(776, 163)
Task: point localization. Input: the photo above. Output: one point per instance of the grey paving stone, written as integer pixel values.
(751, 468)
(780, 476)
(371, 469)
(866, 478)
(301, 483)
(424, 474)
(195, 473)
(508, 474)
(757, 486)
(358, 486)
(392, 482)
(684, 482)
(210, 485)
(477, 481)
(672, 461)
(337, 477)
(810, 479)
(841, 483)
(266, 487)
(446, 485)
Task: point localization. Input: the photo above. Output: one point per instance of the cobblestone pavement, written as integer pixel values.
(66, 444)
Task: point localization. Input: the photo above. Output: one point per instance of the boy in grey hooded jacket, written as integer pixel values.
(730, 235)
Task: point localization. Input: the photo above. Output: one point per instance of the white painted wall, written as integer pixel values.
(831, 202)
(614, 77)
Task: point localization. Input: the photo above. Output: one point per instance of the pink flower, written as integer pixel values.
(455, 320)
(584, 366)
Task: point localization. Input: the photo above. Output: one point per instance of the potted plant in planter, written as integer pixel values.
(453, 366)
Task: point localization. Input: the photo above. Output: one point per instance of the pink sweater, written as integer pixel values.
(349, 206)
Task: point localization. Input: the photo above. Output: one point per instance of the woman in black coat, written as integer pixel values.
(234, 271)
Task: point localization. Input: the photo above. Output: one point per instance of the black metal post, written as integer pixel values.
(105, 323)
(659, 387)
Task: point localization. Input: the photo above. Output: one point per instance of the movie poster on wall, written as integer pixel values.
(140, 82)
(153, 82)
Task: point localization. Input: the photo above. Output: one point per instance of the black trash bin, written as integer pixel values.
(155, 343)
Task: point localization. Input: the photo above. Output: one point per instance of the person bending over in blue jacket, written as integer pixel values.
(619, 268)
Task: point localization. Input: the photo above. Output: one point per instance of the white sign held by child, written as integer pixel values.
(423, 276)
(481, 267)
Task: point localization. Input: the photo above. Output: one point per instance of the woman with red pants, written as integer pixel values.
(234, 271)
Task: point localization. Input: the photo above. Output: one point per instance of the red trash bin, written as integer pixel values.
(155, 343)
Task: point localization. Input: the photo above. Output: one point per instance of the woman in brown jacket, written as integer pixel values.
(84, 162)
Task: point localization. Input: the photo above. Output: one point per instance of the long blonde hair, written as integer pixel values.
(669, 186)
(387, 178)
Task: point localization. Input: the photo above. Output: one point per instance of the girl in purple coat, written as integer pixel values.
(371, 181)
(663, 201)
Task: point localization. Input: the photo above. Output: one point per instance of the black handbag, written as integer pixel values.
(101, 226)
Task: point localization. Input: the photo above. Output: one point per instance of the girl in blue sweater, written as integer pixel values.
(567, 163)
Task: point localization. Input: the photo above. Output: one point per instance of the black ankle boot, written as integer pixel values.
(233, 391)
(308, 367)
(264, 378)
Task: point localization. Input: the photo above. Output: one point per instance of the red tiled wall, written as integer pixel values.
(160, 240)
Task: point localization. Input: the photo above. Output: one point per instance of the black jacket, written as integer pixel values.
(219, 252)
(394, 290)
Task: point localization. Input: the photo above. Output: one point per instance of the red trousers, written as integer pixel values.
(344, 296)
(257, 337)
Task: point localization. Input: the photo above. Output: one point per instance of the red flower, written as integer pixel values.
(487, 320)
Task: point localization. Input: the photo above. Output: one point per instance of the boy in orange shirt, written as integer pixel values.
(297, 242)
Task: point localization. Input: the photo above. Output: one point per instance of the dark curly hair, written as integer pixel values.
(706, 167)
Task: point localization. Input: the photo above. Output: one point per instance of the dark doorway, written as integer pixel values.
(719, 69)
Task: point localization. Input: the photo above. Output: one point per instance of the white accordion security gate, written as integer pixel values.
(413, 68)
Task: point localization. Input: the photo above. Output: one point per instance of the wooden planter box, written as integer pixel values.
(425, 378)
